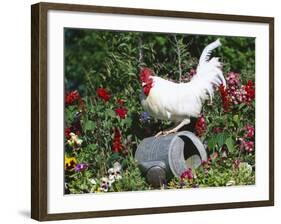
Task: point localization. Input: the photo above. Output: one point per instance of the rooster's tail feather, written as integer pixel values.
(209, 73)
(205, 56)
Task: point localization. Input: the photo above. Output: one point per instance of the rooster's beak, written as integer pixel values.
(143, 84)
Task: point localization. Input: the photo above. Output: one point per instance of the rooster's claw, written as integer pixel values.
(165, 133)
(159, 134)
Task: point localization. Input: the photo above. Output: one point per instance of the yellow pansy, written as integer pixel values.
(69, 163)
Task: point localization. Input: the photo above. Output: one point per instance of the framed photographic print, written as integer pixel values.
(139, 111)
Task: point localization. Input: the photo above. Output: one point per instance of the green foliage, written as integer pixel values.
(218, 172)
(132, 180)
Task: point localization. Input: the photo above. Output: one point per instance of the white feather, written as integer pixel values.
(178, 101)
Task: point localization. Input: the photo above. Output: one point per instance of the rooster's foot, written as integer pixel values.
(174, 130)
(165, 133)
(159, 134)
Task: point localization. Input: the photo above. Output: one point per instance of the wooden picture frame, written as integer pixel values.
(39, 109)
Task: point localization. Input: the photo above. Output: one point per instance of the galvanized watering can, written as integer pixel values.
(161, 158)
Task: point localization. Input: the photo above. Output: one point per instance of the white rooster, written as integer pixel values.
(179, 102)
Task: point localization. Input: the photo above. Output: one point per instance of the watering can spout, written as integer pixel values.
(145, 166)
(155, 172)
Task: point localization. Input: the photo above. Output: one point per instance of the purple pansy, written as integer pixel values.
(81, 167)
(144, 116)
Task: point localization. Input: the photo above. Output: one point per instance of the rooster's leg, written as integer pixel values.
(175, 129)
(179, 126)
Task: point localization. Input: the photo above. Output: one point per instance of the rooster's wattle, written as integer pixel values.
(179, 102)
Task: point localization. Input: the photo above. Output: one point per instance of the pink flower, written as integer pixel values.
(248, 146)
(237, 93)
(233, 79)
(187, 174)
(250, 131)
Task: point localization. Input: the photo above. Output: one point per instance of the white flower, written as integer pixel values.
(104, 184)
(111, 174)
(117, 170)
(117, 166)
(114, 173)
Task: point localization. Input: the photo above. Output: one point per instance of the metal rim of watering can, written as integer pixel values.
(199, 145)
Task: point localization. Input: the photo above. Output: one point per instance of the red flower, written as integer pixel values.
(67, 133)
(249, 91)
(121, 112)
(225, 98)
(71, 97)
(200, 126)
(74, 129)
(103, 94)
(117, 145)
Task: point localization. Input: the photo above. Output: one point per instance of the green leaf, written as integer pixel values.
(128, 121)
(236, 119)
(124, 163)
(230, 144)
(241, 106)
(110, 112)
(90, 125)
(212, 143)
(221, 139)
(115, 156)
(69, 113)
(92, 147)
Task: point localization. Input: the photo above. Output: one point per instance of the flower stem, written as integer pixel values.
(179, 57)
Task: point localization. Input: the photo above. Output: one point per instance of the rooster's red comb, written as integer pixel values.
(145, 73)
